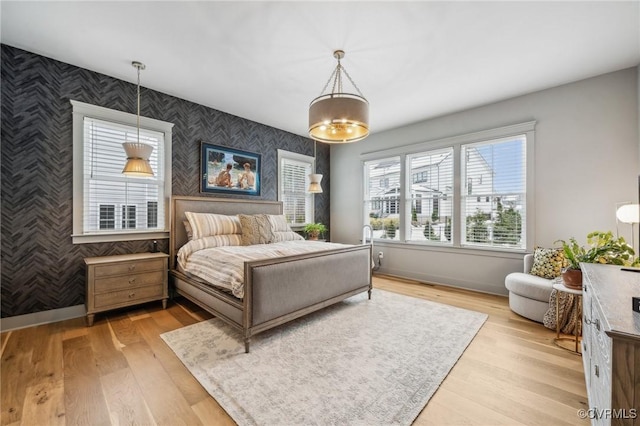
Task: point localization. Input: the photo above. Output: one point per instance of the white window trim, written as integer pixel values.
(526, 128)
(284, 154)
(81, 110)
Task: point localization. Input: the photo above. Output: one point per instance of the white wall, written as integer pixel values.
(587, 159)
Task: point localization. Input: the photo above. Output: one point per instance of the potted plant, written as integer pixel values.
(601, 247)
(313, 230)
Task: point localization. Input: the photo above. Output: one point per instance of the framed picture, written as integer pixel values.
(228, 170)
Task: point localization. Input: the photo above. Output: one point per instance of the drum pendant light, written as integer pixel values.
(339, 117)
(138, 153)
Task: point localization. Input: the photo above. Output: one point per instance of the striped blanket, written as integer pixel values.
(224, 266)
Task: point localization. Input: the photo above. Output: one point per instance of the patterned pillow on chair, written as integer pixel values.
(548, 262)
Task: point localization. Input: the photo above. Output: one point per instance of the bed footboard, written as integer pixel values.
(280, 290)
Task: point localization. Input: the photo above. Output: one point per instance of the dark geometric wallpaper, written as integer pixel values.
(41, 268)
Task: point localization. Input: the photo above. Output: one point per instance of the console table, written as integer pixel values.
(611, 344)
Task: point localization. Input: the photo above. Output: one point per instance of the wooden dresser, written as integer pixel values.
(125, 280)
(611, 344)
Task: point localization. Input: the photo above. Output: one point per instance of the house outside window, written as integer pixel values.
(470, 191)
(99, 185)
(293, 181)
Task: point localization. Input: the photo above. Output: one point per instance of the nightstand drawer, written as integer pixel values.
(131, 267)
(103, 285)
(126, 297)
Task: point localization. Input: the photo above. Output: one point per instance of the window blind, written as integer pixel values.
(131, 198)
(494, 198)
(430, 196)
(294, 180)
(382, 197)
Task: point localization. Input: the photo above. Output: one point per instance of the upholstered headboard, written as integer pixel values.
(230, 206)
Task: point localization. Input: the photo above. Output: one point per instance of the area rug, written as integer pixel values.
(360, 362)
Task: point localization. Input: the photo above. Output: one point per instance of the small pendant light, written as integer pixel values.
(138, 153)
(314, 178)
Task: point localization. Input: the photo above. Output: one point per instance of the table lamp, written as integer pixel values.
(629, 213)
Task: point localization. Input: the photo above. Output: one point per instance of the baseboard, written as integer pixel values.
(44, 317)
(421, 278)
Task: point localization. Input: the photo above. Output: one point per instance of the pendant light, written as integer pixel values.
(314, 178)
(339, 117)
(138, 153)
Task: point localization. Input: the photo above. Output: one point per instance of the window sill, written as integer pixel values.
(121, 236)
(466, 250)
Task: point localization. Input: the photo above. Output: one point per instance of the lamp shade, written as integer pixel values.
(629, 213)
(137, 159)
(339, 118)
(314, 183)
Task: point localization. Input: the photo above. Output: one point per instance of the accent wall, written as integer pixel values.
(41, 268)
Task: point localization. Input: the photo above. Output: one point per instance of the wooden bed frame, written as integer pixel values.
(276, 290)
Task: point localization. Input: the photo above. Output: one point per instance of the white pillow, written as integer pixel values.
(281, 230)
(209, 224)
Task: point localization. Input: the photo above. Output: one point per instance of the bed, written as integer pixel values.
(276, 290)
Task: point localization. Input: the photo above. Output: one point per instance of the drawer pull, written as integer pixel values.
(584, 347)
(597, 370)
(132, 268)
(131, 295)
(595, 322)
(132, 280)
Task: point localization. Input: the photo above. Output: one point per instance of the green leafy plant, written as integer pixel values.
(602, 247)
(313, 230)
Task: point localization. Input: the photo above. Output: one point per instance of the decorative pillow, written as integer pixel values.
(281, 230)
(187, 227)
(547, 262)
(208, 224)
(256, 229)
(278, 222)
(279, 236)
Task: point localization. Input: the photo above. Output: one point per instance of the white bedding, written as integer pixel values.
(224, 266)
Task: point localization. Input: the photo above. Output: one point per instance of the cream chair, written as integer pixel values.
(528, 294)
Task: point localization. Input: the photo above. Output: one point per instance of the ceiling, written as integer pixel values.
(265, 61)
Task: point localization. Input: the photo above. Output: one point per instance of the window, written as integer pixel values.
(107, 216)
(496, 223)
(152, 214)
(382, 197)
(469, 191)
(129, 217)
(293, 173)
(431, 207)
(99, 185)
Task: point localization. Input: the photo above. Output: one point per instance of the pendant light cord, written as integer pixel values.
(138, 118)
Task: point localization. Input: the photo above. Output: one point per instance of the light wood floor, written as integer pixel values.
(120, 372)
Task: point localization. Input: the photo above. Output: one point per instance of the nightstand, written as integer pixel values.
(125, 280)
